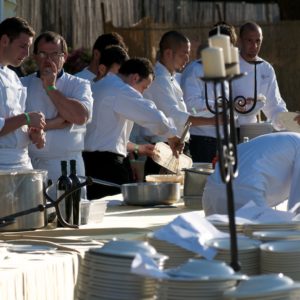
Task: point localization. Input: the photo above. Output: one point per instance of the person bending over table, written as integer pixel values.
(118, 104)
(268, 174)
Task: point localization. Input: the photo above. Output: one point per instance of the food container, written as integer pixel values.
(165, 178)
(194, 183)
(146, 193)
(151, 193)
(22, 190)
(92, 211)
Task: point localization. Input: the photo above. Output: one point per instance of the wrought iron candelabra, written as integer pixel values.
(224, 110)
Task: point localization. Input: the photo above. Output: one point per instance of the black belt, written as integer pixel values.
(107, 155)
(203, 138)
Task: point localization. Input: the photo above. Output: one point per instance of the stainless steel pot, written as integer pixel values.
(147, 193)
(21, 190)
(194, 183)
(151, 193)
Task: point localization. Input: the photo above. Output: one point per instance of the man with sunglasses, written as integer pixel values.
(65, 100)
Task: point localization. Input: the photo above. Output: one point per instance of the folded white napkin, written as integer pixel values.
(190, 231)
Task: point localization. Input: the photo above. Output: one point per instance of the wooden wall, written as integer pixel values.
(81, 21)
(281, 47)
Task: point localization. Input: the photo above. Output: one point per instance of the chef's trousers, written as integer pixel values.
(203, 148)
(107, 166)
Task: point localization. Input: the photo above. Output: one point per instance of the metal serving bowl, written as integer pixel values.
(151, 193)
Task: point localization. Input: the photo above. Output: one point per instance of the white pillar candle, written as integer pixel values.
(222, 41)
(234, 70)
(213, 62)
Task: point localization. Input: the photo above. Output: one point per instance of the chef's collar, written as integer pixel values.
(59, 74)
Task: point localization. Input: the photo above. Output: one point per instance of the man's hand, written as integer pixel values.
(146, 149)
(297, 118)
(37, 120)
(48, 73)
(176, 145)
(37, 136)
(56, 123)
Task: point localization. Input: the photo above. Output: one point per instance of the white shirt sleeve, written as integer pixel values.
(82, 92)
(2, 122)
(294, 196)
(144, 113)
(194, 88)
(274, 102)
(162, 94)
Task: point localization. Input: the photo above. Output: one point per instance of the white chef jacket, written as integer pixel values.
(168, 97)
(116, 107)
(194, 96)
(86, 74)
(13, 146)
(61, 144)
(269, 173)
(266, 85)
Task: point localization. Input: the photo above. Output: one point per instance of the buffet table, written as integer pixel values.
(31, 275)
(120, 221)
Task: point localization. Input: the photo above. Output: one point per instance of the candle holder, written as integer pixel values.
(227, 149)
(240, 102)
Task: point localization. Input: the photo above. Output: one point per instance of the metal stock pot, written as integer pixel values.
(21, 190)
(147, 193)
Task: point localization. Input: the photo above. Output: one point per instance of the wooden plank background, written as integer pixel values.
(81, 21)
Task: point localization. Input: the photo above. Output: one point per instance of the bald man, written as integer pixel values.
(250, 41)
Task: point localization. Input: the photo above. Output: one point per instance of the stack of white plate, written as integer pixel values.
(253, 130)
(176, 254)
(267, 287)
(281, 257)
(105, 273)
(268, 236)
(198, 279)
(223, 226)
(248, 253)
(250, 228)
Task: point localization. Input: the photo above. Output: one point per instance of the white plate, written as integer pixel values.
(244, 243)
(163, 156)
(277, 235)
(288, 122)
(282, 246)
(124, 248)
(30, 248)
(263, 285)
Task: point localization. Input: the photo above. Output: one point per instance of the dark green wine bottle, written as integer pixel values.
(64, 184)
(77, 194)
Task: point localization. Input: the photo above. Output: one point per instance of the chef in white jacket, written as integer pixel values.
(16, 126)
(102, 42)
(203, 142)
(66, 101)
(165, 91)
(250, 40)
(118, 104)
(268, 174)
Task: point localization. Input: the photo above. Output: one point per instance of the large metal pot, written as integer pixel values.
(21, 190)
(151, 193)
(147, 193)
(194, 183)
